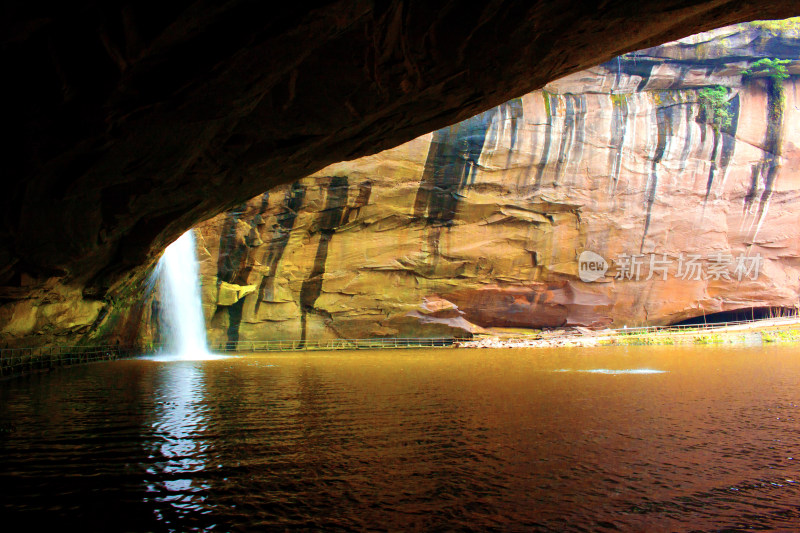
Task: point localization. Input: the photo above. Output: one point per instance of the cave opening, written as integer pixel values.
(739, 315)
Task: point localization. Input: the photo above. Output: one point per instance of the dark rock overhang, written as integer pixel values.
(131, 122)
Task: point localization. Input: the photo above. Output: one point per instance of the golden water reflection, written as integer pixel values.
(624, 438)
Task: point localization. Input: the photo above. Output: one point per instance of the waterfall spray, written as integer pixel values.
(183, 313)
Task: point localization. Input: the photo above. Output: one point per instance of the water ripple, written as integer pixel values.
(418, 441)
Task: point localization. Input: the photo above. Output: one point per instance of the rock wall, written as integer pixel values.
(482, 224)
(132, 121)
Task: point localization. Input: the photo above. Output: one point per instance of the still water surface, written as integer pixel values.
(635, 439)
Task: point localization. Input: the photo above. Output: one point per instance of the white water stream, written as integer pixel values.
(183, 313)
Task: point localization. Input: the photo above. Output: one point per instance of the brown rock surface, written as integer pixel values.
(481, 224)
(130, 122)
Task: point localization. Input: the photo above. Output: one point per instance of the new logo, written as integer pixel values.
(591, 266)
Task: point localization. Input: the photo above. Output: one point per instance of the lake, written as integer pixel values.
(698, 438)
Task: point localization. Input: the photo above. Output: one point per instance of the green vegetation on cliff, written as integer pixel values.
(774, 68)
(619, 99)
(777, 26)
(715, 106)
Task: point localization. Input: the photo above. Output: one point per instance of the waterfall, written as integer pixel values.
(183, 312)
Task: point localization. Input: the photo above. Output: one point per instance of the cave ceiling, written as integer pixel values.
(129, 122)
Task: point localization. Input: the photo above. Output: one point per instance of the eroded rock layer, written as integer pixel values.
(482, 224)
(130, 122)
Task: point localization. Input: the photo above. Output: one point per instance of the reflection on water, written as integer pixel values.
(614, 371)
(623, 438)
(176, 442)
(189, 356)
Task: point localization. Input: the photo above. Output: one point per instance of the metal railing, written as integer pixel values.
(17, 361)
(283, 345)
(14, 361)
(558, 334)
(778, 321)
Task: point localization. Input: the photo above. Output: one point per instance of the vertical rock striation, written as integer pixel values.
(481, 224)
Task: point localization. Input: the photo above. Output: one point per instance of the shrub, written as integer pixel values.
(715, 106)
(774, 68)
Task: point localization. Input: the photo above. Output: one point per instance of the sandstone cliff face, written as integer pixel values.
(131, 122)
(481, 224)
